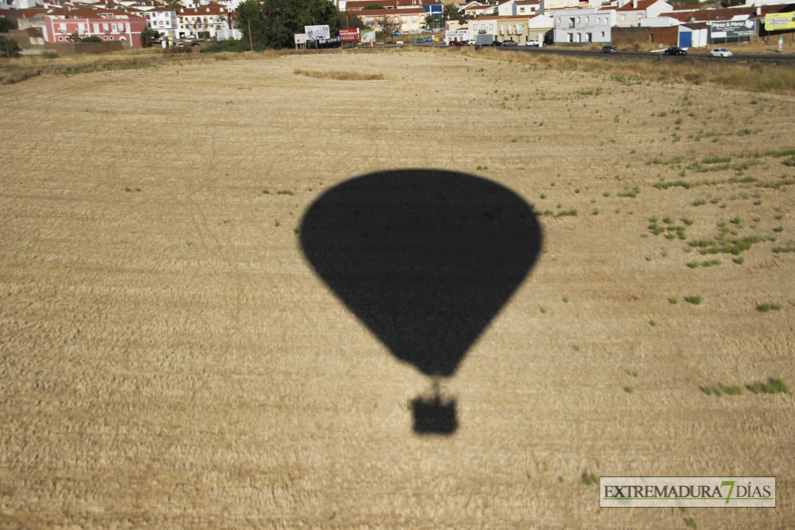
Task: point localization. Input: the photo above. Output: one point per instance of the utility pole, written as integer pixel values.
(250, 44)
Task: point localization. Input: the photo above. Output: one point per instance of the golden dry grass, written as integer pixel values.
(169, 359)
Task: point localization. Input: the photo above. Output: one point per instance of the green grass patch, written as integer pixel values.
(772, 386)
(768, 306)
(721, 389)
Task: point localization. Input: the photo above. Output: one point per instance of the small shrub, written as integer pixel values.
(768, 306)
(695, 299)
(589, 479)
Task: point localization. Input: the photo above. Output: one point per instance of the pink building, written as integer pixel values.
(107, 25)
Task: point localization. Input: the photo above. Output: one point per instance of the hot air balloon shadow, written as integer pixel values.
(425, 259)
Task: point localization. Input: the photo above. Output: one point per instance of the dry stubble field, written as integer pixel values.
(169, 358)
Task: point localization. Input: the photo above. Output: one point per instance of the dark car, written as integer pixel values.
(675, 50)
(609, 49)
(457, 43)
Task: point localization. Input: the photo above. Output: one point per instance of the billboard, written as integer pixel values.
(368, 35)
(300, 38)
(317, 32)
(779, 21)
(349, 34)
(732, 29)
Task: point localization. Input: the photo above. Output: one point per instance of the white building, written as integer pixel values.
(163, 21)
(631, 14)
(583, 26)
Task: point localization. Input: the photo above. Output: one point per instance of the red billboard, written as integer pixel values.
(349, 34)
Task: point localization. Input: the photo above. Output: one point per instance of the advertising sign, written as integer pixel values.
(300, 38)
(349, 34)
(732, 29)
(317, 32)
(368, 35)
(779, 21)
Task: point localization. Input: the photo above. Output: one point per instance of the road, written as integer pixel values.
(564, 51)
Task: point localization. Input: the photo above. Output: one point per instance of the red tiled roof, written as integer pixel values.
(642, 4)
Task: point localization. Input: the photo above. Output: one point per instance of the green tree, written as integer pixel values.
(274, 22)
(9, 48)
(370, 7)
(450, 11)
(7, 24)
(250, 21)
(148, 37)
(347, 19)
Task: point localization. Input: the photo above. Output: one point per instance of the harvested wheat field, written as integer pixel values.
(172, 358)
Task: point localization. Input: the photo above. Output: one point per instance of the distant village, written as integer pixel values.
(54, 24)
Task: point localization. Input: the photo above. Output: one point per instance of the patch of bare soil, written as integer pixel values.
(169, 358)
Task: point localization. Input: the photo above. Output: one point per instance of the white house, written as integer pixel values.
(201, 22)
(632, 13)
(162, 20)
(582, 26)
(527, 7)
(483, 26)
(506, 8)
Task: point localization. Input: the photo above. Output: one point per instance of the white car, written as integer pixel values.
(720, 52)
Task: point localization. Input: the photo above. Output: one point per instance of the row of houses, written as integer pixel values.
(115, 22)
(545, 21)
(657, 22)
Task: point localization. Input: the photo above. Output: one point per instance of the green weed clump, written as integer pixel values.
(723, 245)
(773, 386)
(694, 299)
(768, 306)
(567, 213)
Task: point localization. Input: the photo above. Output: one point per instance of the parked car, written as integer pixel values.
(457, 43)
(533, 43)
(720, 52)
(609, 49)
(675, 50)
(509, 43)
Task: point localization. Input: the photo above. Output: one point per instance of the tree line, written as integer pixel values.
(271, 24)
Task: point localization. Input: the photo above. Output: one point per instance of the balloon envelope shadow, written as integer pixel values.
(425, 259)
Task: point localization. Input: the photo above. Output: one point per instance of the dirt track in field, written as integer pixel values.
(169, 358)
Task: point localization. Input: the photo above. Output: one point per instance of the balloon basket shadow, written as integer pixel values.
(434, 416)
